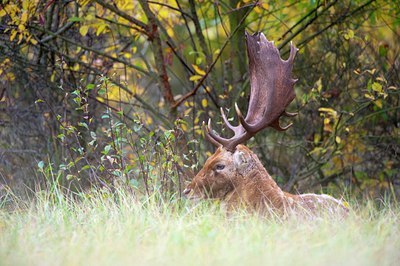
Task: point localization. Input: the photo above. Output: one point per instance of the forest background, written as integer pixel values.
(113, 93)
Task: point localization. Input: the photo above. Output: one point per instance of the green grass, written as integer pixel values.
(104, 230)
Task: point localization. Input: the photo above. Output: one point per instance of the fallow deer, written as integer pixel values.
(234, 174)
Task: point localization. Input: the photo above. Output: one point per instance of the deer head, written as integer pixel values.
(271, 92)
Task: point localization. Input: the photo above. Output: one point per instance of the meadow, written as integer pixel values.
(101, 228)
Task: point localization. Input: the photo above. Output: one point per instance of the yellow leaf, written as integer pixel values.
(198, 70)
(75, 67)
(53, 77)
(127, 55)
(381, 79)
(327, 110)
(258, 10)
(100, 29)
(338, 139)
(377, 87)
(83, 30)
(187, 112)
(184, 127)
(195, 77)
(25, 4)
(349, 35)
(24, 17)
(369, 96)
(317, 138)
(319, 85)
(204, 103)
(171, 32)
(21, 27)
(378, 103)
(149, 120)
(10, 76)
(13, 35)
(20, 38)
(316, 151)
(33, 41)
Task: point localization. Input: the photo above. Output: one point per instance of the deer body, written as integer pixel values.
(233, 173)
(239, 179)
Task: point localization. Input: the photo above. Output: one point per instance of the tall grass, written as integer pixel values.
(117, 229)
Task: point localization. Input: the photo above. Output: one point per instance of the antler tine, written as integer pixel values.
(278, 127)
(236, 130)
(207, 130)
(230, 144)
(239, 114)
(293, 52)
(222, 141)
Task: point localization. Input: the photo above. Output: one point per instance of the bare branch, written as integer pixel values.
(154, 37)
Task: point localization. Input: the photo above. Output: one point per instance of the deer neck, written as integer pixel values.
(255, 188)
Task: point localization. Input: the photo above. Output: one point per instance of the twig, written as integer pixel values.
(94, 51)
(199, 84)
(305, 41)
(63, 28)
(297, 32)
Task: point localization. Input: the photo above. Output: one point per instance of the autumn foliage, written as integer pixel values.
(105, 92)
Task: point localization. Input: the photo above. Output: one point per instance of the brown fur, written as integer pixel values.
(244, 181)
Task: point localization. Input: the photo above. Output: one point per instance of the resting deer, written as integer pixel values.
(234, 174)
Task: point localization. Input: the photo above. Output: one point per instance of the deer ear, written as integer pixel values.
(239, 158)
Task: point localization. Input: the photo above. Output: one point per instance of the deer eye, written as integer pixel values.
(219, 167)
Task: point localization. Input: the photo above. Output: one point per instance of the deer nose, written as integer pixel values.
(186, 191)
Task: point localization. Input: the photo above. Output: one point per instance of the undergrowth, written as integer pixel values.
(102, 228)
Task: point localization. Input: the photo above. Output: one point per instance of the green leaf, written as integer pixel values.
(69, 177)
(83, 124)
(107, 149)
(105, 116)
(61, 137)
(90, 86)
(75, 19)
(86, 167)
(101, 91)
(134, 183)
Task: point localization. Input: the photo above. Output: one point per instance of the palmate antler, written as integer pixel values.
(271, 92)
